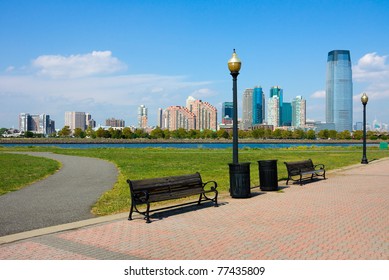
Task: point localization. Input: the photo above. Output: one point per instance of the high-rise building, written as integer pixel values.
(227, 112)
(75, 120)
(114, 122)
(298, 112)
(89, 122)
(159, 118)
(258, 106)
(175, 117)
(205, 113)
(339, 90)
(277, 91)
(286, 114)
(247, 110)
(23, 122)
(142, 116)
(273, 111)
(41, 124)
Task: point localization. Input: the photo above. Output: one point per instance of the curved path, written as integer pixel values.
(66, 196)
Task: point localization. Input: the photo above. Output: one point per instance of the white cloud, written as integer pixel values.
(102, 96)
(203, 93)
(10, 69)
(76, 66)
(373, 71)
(319, 94)
(371, 68)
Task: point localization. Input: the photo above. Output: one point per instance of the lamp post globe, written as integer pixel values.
(234, 63)
(364, 100)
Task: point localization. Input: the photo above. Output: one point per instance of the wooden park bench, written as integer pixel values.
(301, 169)
(152, 190)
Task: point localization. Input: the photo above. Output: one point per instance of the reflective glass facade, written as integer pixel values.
(339, 90)
(286, 114)
(258, 106)
(227, 110)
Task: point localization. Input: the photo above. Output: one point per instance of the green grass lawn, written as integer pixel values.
(211, 163)
(17, 170)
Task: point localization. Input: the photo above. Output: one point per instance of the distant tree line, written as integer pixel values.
(260, 133)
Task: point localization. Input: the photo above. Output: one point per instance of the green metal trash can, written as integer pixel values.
(268, 176)
(240, 180)
(383, 145)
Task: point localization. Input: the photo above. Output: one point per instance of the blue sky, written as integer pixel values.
(109, 57)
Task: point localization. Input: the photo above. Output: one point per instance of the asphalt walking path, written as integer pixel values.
(343, 217)
(65, 197)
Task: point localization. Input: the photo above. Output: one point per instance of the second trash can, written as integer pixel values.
(268, 176)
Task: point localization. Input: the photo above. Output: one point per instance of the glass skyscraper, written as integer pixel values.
(258, 106)
(339, 90)
(227, 112)
(286, 114)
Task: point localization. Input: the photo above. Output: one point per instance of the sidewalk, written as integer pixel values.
(343, 217)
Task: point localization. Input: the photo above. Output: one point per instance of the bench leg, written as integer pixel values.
(200, 198)
(215, 199)
(131, 210)
(148, 213)
(301, 179)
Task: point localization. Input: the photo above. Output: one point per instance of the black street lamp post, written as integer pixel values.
(234, 65)
(239, 172)
(364, 100)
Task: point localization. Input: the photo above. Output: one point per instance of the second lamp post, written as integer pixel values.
(239, 172)
(364, 100)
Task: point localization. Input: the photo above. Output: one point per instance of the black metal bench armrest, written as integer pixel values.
(321, 166)
(142, 196)
(212, 187)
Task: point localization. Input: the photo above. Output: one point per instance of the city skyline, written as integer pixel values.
(108, 57)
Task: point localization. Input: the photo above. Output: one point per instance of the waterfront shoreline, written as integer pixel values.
(174, 141)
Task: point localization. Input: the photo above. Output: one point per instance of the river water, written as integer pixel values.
(186, 145)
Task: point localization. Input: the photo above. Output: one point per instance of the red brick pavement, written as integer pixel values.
(343, 217)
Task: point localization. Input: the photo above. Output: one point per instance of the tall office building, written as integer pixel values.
(298, 112)
(273, 111)
(286, 114)
(23, 122)
(41, 124)
(75, 120)
(247, 110)
(142, 116)
(339, 90)
(277, 91)
(258, 106)
(227, 112)
(159, 118)
(89, 122)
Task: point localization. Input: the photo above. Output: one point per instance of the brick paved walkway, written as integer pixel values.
(343, 217)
